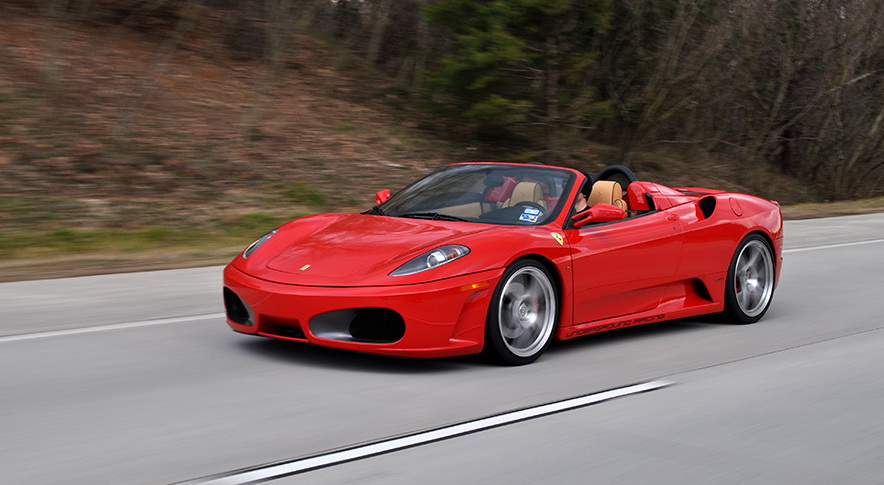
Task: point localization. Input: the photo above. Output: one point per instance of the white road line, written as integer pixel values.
(831, 246)
(300, 465)
(103, 328)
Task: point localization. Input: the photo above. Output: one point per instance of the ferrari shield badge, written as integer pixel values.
(558, 237)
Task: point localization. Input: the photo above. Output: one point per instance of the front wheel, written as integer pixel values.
(522, 315)
(750, 281)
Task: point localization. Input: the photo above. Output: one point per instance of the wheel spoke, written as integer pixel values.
(743, 298)
(509, 323)
(752, 261)
(515, 290)
(533, 291)
(526, 337)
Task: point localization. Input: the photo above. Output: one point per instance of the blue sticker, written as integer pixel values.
(529, 215)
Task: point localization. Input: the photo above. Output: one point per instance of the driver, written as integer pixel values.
(580, 203)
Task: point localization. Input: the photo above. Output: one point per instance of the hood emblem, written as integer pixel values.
(558, 237)
(303, 268)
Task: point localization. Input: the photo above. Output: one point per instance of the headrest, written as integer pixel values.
(605, 192)
(529, 191)
(493, 180)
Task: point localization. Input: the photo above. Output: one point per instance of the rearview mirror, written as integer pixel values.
(598, 213)
(381, 196)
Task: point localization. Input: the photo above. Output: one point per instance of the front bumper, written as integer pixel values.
(441, 318)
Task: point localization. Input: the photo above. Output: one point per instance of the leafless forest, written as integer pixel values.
(795, 86)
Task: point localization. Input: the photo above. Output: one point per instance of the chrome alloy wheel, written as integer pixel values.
(753, 278)
(527, 311)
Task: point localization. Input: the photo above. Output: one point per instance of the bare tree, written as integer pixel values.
(795, 84)
(280, 21)
(380, 19)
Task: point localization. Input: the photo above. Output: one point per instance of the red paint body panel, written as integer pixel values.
(655, 265)
(441, 318)
(623, 267)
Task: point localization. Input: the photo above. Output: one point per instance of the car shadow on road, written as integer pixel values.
(639, 333)
(303, 354)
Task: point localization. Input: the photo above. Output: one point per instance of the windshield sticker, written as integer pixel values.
(558, 237)
(530, 214)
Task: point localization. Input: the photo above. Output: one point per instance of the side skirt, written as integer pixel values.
(667, 311)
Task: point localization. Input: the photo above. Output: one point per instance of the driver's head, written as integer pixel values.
(587, 185)
(580, 202)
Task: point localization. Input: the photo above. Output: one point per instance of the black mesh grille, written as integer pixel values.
(379, 325)
(237, 311)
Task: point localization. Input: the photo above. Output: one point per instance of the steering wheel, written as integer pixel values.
(619, 174)
(533, 205)
(528, 203)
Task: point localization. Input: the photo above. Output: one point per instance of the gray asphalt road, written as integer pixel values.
(792, 399)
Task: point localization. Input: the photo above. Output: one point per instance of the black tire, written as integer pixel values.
(523, 314)
(750, 281)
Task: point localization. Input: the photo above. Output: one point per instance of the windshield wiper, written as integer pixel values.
(436, 216)
(376, 210)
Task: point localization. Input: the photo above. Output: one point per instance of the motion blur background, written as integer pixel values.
(195, 125)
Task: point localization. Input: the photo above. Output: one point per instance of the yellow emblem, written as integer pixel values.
(558, 237)
(305, 267)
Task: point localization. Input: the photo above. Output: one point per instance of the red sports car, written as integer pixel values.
(499, 257)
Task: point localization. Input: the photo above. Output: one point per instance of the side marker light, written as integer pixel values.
(474, 286)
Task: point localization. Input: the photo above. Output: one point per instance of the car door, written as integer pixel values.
(623, 267)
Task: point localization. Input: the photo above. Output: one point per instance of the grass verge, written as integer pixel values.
(63, 252)
(66, 251)
(832, 209)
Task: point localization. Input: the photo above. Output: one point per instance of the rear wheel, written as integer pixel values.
(522, 315)
(750, 281)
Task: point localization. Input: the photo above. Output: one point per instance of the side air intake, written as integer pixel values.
(368, 325)
(707, 206)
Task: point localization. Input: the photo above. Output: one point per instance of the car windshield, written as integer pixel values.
(486, 193)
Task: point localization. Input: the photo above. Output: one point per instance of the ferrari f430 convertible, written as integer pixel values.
(505, 258)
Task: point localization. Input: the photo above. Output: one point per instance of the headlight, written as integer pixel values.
(257, 244)
(431, 259)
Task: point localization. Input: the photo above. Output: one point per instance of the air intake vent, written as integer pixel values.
(707, 206)
(237, 310)
(377, 325)
(368, 325)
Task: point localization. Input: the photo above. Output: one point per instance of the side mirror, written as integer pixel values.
(381, 196)
(598, 213)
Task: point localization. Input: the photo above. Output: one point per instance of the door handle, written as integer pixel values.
(672, 217)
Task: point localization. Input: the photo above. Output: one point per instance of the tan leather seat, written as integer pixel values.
(606, 192)
(526, 192)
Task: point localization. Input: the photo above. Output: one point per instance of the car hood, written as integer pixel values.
(354, 249)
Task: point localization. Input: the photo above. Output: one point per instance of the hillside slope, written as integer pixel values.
(115, 141)
(116, 121)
